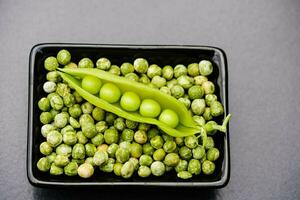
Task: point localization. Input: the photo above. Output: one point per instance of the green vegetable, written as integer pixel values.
(209, 98)
(111, 136)
(78, 151)
(200, 79)
(112, 149)
(167, 72)
(100, 157)
(185, 81)
(54, 138)
(61, 160)
(103, 63)
(44, 104)
(71, 169)
(110, 93)
(194, 167)
(108, 166)
(216, 109)
(169, 146)
(212, 154)
(208, 87)
(169, 117)
(85, 63)
(208, 167)
(205, 67)
(119, 124)
(171, 159)
(127, 169)
(46, 117)
(140, 137)
(181, 166)
(63, 57)
(51, 63)
(64, 149)
(43, 164)
(184, 175)
(114, 69)
(180, 70)
(144, 171)
(158, 81)
(148, 149)
(145, 160)
(198, 152)
(159, 154)
(117, 168)
(130, 101)
(45, 148)
(198, 106)
(193, 69)
(154, 70)
(55, 170)
(179, 131)
(136, 150)
(126, 68)
(150, 108)
(191, 141)
(53, 76)
(91, 84)
(195, 92)
(122, 155)
(127, 135)
(185, 153)
(177, 91)
(158, 168)
(89, 130)
(85, 170)
(140, 65)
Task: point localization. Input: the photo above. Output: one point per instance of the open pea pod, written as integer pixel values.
(145, 92)
(180, 131)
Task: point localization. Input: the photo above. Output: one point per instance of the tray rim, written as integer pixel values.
(213, 184)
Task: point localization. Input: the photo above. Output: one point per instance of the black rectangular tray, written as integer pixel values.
(159, 54)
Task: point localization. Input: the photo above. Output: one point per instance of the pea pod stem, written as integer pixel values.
(223, 127)
(180, 131)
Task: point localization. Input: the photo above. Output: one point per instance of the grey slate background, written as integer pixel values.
(262, 42)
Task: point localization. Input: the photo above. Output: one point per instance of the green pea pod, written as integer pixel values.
(145, 92)
(180, 131)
